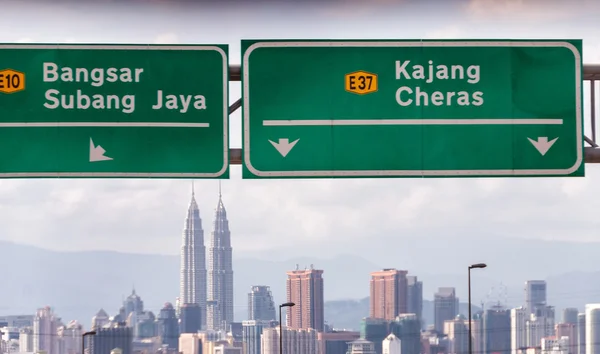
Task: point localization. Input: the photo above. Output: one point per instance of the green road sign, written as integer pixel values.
(412, 108)
(113, 111)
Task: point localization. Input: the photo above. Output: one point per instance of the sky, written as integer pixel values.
(287, 218)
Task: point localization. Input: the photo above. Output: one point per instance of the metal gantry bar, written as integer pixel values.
(591, 73)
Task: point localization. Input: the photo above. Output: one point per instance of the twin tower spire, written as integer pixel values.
(206, 278)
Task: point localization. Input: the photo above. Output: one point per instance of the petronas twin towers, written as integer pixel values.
(211, 289)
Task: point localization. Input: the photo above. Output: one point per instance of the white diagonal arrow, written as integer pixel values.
(542, 144)
(284, 146)
(97, 153)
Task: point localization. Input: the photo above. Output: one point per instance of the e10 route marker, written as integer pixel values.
(412, 108)
(114, 111)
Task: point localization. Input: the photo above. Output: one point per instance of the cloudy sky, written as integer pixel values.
(298, 217)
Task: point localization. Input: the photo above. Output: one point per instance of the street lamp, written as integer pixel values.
(90, 333)
(287, 304)
(472, 266)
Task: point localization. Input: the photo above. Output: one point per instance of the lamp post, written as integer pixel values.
(472, 266)
(89, 333)
(287, 304)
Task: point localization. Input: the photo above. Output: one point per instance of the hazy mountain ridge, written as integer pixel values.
(78, 284)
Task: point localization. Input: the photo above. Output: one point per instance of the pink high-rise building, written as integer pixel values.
(305, 289)
(389, 293)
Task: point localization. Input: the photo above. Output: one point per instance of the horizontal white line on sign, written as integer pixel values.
(500, 121)
(102, 124)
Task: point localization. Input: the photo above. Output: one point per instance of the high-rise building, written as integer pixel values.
(100, 320)
(189, 318)
(457, 333)
(69, 338)
(118, 336)
(496, 336)
(445, 307)
(535, 294)
(251, 332)
(518, 328)
(261, 306)
(592, 329)
(389, 294)
(581, 333)
(45, 331)
(407, 328)
(568, 330)
(169, 326)
(295, 341)
(305, 289)
(415, 297)
(220, 271)
(192, 283)
(570, 315)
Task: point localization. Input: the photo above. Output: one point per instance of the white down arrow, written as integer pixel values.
(542, 144)
(284, 146)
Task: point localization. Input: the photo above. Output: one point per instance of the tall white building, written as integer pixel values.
(192, 284)
(220, 272)
(518, 329)
(391, 345)
(45, 331)
(70, 338)
(592, 329)
(295, 341)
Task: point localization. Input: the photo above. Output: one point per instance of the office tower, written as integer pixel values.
(445, 307)
(496, 338)
(168, 325)
(407, 328)
(45, 331)
(581, 333)
(570, 315)
(220, 271)
(69, 338)
(251, 332)
(26, 339)
(457, 332)
(374, 330)
(189, 318)
(592, 329)
(535, 294)
(415, 297)
(389, 293)
(568, 330)
(261, 306)
(305, 289)
(192, 281)
(105, 340)
(518, 328)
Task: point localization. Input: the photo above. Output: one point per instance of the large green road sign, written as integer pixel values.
(113, 111)
(412, 108)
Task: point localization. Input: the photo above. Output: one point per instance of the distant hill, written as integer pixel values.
(78, 284)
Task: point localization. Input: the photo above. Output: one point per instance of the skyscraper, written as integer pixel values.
(45, 326)
(220, 271)
(305, 289)
(260, 304)
(193, 261)
(445, 307)
(389, 293)
(535, 295)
